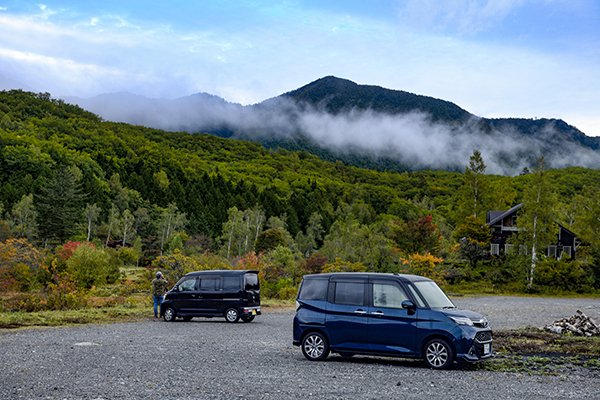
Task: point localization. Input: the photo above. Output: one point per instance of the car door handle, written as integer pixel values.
(360, 312)
(377, 313)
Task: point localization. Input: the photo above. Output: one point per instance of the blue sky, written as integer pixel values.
(495, 58)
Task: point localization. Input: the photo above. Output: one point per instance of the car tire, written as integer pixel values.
(248, 318)
(438, 354)
(170, 314)
(232, 315)
(315, 346)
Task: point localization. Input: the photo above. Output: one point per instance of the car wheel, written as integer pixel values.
(315, 346)
(169, 315)
(232, 315)
(186, 319)
(438, 354)
(248, 318)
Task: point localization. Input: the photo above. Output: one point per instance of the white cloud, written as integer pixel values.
(460, 16)
(113, 53)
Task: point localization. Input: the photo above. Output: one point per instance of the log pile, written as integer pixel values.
(579, 325)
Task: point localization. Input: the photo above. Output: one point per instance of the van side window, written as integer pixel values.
(209, 283)
(187, 285)
(314, 289)
(386, 295)
(349, 293)
(231, 283)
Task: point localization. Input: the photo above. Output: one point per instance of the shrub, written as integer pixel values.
(342, 266)
(426, 265)
(20, 263)
(28, 302)
(89, 266)
(127, 256)
(64, 295)
(564, 275)
(65, 251)
(176, 265)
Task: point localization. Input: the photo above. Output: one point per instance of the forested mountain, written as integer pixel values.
(363, 125)
(66, 175)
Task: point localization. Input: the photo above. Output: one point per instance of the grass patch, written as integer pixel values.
(106, 310)
(11, 320)
(536, 351)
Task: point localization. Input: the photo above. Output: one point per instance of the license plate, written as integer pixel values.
(487, 348)
(253, 312)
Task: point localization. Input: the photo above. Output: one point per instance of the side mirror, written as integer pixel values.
(409, 305)
(176, 288)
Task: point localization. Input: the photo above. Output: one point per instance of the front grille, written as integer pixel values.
(481, 324)
(484, 336)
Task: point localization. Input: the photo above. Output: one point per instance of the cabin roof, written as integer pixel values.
(496, 216)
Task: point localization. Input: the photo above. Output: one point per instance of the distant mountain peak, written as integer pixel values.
(336, 95)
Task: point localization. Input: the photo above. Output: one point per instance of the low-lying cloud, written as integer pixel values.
(412, 139)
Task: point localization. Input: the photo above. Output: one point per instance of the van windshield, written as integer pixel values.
(433, 295)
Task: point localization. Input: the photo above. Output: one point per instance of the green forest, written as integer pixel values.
(83, 202)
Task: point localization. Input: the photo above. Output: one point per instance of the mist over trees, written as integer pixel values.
(366, 126)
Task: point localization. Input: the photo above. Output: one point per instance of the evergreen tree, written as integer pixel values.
(59, 205)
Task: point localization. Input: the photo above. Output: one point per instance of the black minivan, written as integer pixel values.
(233, 294)
(387, 315)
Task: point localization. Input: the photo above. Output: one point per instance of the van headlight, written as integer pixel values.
(462, 320)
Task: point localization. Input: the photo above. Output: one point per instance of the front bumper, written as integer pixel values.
(480, 347)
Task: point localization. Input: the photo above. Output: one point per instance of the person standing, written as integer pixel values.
(159, 288)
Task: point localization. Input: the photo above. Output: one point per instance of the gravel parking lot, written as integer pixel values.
(210, 359)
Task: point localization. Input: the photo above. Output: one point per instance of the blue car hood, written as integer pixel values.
(455, 312)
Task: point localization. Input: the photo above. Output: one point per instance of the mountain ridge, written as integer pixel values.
(366, 125)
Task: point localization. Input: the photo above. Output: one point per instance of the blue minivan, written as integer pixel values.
(388, 315)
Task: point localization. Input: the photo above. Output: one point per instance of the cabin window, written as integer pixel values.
(495, 249)
(566, 252)
(552, 251)
(523, 250)
(508, 249)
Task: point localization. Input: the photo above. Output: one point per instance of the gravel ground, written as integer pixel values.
(210, 359)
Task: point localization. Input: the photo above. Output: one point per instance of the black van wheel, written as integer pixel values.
(169, 315)
(232, 315)
(315, 346)
(438, 354)
(248, 318)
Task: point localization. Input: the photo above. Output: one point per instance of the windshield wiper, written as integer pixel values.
(445, 307)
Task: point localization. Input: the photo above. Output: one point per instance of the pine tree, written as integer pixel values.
(59, 205)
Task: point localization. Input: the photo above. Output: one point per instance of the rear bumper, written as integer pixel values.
(251, 310)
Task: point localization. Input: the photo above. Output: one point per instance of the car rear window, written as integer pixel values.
(314, 289)
(350, 293)
(252, 281)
